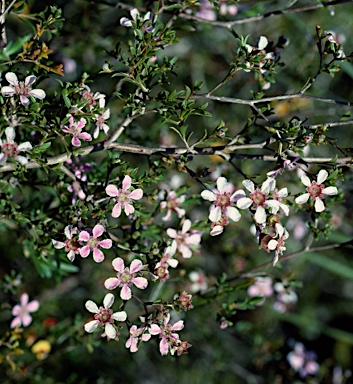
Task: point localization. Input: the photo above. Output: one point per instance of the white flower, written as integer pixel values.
(135, 14)
(21, 88)
(316, 190)
(10, 149)
(104, 316)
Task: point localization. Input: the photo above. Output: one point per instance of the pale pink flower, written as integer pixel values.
(184, 239)
(223, 199)
(198, 280)
(100, 119)
(161, 268)
(92, 98)
(225, 9)
(285, 297)
(303, 361)
(124, 196)
(316, 190)
(126, 277)
(104, 316)
(261, 287)
(75, 130)
(277, 244)
(22, 89)
(167, 334)
(22, 311)
(9, 149)
(72, 245)
(206, 11)
(136, 335)
(172, 204)
(184, 301)
(258, 199)
(93, 243)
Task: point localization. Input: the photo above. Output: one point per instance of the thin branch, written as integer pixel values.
(230, 24)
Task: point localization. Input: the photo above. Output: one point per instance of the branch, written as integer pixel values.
(229, 24)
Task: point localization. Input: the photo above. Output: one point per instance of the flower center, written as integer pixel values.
(21, 89)
(123, 196)
(104, 316)
(315, 190)
(125, 277)
(223, 200)
(10, 150)
(93, 242)
(172, 204)
(90, 99)
(71, 245)
(258, 198)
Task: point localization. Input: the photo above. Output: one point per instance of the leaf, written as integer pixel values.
(15, 45)
(340, 268)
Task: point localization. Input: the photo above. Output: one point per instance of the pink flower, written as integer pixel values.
(223, 199)
(167, 334)
(21, 88)
(161, 268)
(126, 277)
(72, 245)
(261, 287)
(92, 97)
(104, 316)
(199, 281)
(303, 361)
(206, 11)
(185, 240)
(277, 244)
(184, 301)
(9, 149)
(93, 244)
(75, 130)
(316, 191)
(22, 311)
(136, 334)
(286, 297)
(172, 204)
(100, 119)
(123, 197)
(259, 199)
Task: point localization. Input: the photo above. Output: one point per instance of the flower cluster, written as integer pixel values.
(303, 361)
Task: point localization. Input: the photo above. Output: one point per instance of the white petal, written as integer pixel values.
(27, 146)
(125, 22)
(108, 300)
(10, 134)
(302, 198)
(260, 215)
(91, 326)
(173, 263)
(284, 208)
(244, 203)
(268, 185)
(322, 176)
(262, 43)
(272, 244)
(319, 205)
(330, 191)
(208, 195)
(38, 93)
(91, 306)
(222, 184)
(233, 213)
(305, 180)
(215, 214)
(119, 316)
(8, 91)
(249, 185)
(110, 331)
(283, 192)
(11, 78)
(22, 160)
(134, 13)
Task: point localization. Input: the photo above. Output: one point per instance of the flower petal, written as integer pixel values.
(260, 215)
(302, 198)
(249, 185)
(85, 251)
(126, 182)
(116, 212)
(215, 214)
(305, 180)
(110, 331)
(208, 195)
(244, 203)
(107, 243)
(91, 326)
(125, 293)
(118, 264)
(136, 265)
(38, 93)
(98, 230)
(112, 190)
(222, 184)
(119, 316)
(11, 78)
(322, 176)
(330, 191)
(319, 205)
(233, 213)
(112, 283)
(91, 306)
(140, 282)
(98, 255)
(108, 300)
(136, 194)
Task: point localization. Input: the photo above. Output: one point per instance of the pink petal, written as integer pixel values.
(16, 310)
(26, 319)
(32, 306)
(116, 210)
(112, 283)
(140, 282)
(125, 292)
(186, 226)
(135, 266)
(185, 251)
(98, 255)
(98, 230)
(75, 142)
(172, 233)
(126, 182)
(136, 194)
(133, 344)
(112, 190)
(107, 243)
(85, 136)
(84, 251)
(154, 329)
(129, 209)
(24, 299)
(81, 123)
(178, 326)
(15, 322)
(163, 347)
(118, 264)
(84, 236)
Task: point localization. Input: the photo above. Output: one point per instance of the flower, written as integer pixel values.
(261, 287)
(259, 199)
(316, 190)
(135, 14)
(100, 119)
(206, 11)
(185, 240)
(10, 149)
(184, 301)
(124, 196)
(199, 281)
(22, 311)
(303, 361)
(136, 334)
(21, 88)
(72, 245)
(126, 277)
(172, 204)
(104, 316)
(75, 130)
(41, 349)
(167, 334)
(278, 244)
(93, 244)
(223, 199)
(285, 297)
(161, 268)
(92, 97)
